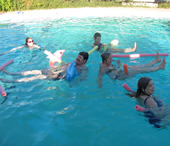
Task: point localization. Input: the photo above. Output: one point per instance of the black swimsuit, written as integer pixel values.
(46, 71)
(159, 103)
(99, 46)
(49, 72)
(150, 115)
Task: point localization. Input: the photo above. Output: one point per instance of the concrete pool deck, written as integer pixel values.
(85, 12)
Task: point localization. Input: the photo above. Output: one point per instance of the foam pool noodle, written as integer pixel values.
(6, 64)
(92, 50)
(105, 47)
(138, 55)
(127, 87)
(2, 92)
(140, 108)
(125, 68)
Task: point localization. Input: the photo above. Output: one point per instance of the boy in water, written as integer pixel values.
(111, 47)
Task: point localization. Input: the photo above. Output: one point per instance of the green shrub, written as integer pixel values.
(164, 5)
(5, 5)
(14, 5)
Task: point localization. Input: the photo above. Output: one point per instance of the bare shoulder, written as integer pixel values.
(150, 103)
(36, 46)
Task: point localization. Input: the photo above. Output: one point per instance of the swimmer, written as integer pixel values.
(29, 43)
(59, 72)
(114, 73)
(144, 97)
(111, 46)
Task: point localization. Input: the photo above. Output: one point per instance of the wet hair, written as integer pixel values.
(142, 84)
(97, 34)
(27, 40)
(105, 56)
(85, 55)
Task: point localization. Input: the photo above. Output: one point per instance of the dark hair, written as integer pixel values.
(27, 40)
(97, 34)
(105, 56)
(85, 55)
(142, 84)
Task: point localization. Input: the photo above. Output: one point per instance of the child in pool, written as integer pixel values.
(110, 47)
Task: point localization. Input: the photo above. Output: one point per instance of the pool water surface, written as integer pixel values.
(51, 113)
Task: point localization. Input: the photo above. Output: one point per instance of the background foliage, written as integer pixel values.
(14, 5)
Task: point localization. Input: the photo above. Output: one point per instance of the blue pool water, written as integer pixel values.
(51, 113)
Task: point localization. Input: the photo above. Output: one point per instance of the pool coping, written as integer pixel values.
(85, 12)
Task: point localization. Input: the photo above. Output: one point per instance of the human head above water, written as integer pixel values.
(97, 38)
(82, 58)
(85, 55)
(143, 83)
(28, 39)
(29, 42)
(105, 56)
(97, 34)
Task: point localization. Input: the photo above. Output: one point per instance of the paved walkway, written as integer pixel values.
(85, 12)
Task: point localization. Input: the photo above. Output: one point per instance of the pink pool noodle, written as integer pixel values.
(140, 108)
(127, 87)
(137, 107)
(6, 64)
(2, 92)
(137, 55)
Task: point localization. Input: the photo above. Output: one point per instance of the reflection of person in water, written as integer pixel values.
(59, 72)
(114, 73)
(29, 43)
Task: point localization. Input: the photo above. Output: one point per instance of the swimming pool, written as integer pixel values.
(51, 113)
